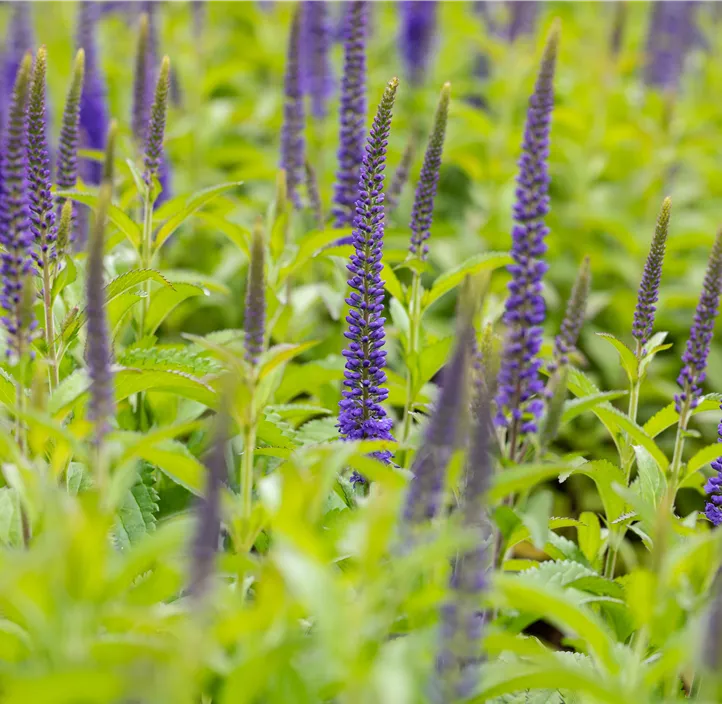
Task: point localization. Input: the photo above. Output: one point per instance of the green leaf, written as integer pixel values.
(131, 279)
(703, 457)
(132, 381)
(626, 356)
(166, 300)
(10, 518)
(451, 279)
(309, 247)
(136, 516)
(8, 390)
(432, 359)
(195, 202)
(393, 285)
(115, 215)
(400, 317)
(668, 416)
(522, 533)
(239, 236)
(582, 404)
(652, 481)
(280, 354)
(65, 277)
(606, 476)
(536, 517)
(589, 535)
(524, 477)
(177, 463)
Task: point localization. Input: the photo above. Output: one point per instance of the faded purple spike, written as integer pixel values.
(700, 336)
(20, 40)
(142, 83)
(199, 12)
(417, 37)
(672, 32)
(522, 18)
(422, 212)
(94, 101)
(362, 415)
(566, 341)
(462, 621)
(208, 528)
(101, 406)
(292, 142)
(156, 125)
(441, 438)
(401, 176)
(651, 278)
(316, 55)
(15, 233)
(352, 113)
(518, 397)
(42, 212)
(254, 322)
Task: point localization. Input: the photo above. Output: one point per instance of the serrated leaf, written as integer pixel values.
(703, 457)
(132, 381)
(449, 280)
(131, 279)
(652, 481)
(166, 300)
(177, 463)
(194, 203)
(626, 356)
(668, 416)
(605, 475)
(582, 404)
(136, 516)
(280, 354)
(319, 430)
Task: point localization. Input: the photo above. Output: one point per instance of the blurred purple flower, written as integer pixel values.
(418, 32)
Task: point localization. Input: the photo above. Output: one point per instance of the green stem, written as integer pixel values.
(249, 443)
(49, 325)
(679, 441)
(146, 256)
(414, 325)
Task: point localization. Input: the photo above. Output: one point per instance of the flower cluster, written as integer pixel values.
(361, 413)
(423, 209)
(566, 341)
(519, 386)
(651, 278)
(156, 126)
(352, 113)
(700, 335)
(255, 315)
(316, 47)
(417, 36)
(15, 234)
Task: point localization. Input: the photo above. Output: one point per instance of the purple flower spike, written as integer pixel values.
(255, 317)
(417, 36)
(522, 18)
(361, 414)
(517, 400)
(672, 32)
(651, 278)
(156, 125)
(42, 213)
(94, 101)
(316, 47)
(442, 437)
(292, 144)
(15, 234)
(66, 175)
(700, 336)
(566, 341)
(142, 83)
(423, 210)
(462, 621)
(102, 403)
(20, 40)
(401, 176)
(352, 113)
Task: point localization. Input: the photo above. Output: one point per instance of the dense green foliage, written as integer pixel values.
(603, 589)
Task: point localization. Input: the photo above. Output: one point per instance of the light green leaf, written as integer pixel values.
(195, 202)
(703, 457)
(166, 300)
(668, 416)
(589, 534)
(309, 246)
(451, 279)
(177, 463)
(239, 236)
(577, 406)
(8, 390)
(393, 285)
(65, 277)
(626, 356)
(280, 354)
(130, 381)
(524, 477)
(652, 481)
(605, 475)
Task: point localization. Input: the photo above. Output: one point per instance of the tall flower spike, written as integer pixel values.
(442, 436)
(462, 621)
(361, 414)
(94, 100)
(401, 176)
(142, 84)
(156, 125)
(255, 318)
(651, 278)
(314, 196)
(417, 36)
(20, 40)
(700, 336)
(65, 226)
(352, 113)
(672, 32)
(42, 213)
(316, 47)
(522, 18)
(15, 234)
(101, 405)
(566, 341)
(517, 400)
(208, 529)
(66, 175)
(292, 143)
(423, 211)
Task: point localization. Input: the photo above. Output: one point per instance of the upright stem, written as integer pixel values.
(146, 256)
(49, 324)
(414, 324)
(249, 443)
(676, 465)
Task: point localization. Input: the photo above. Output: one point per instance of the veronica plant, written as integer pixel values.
(417, 35)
